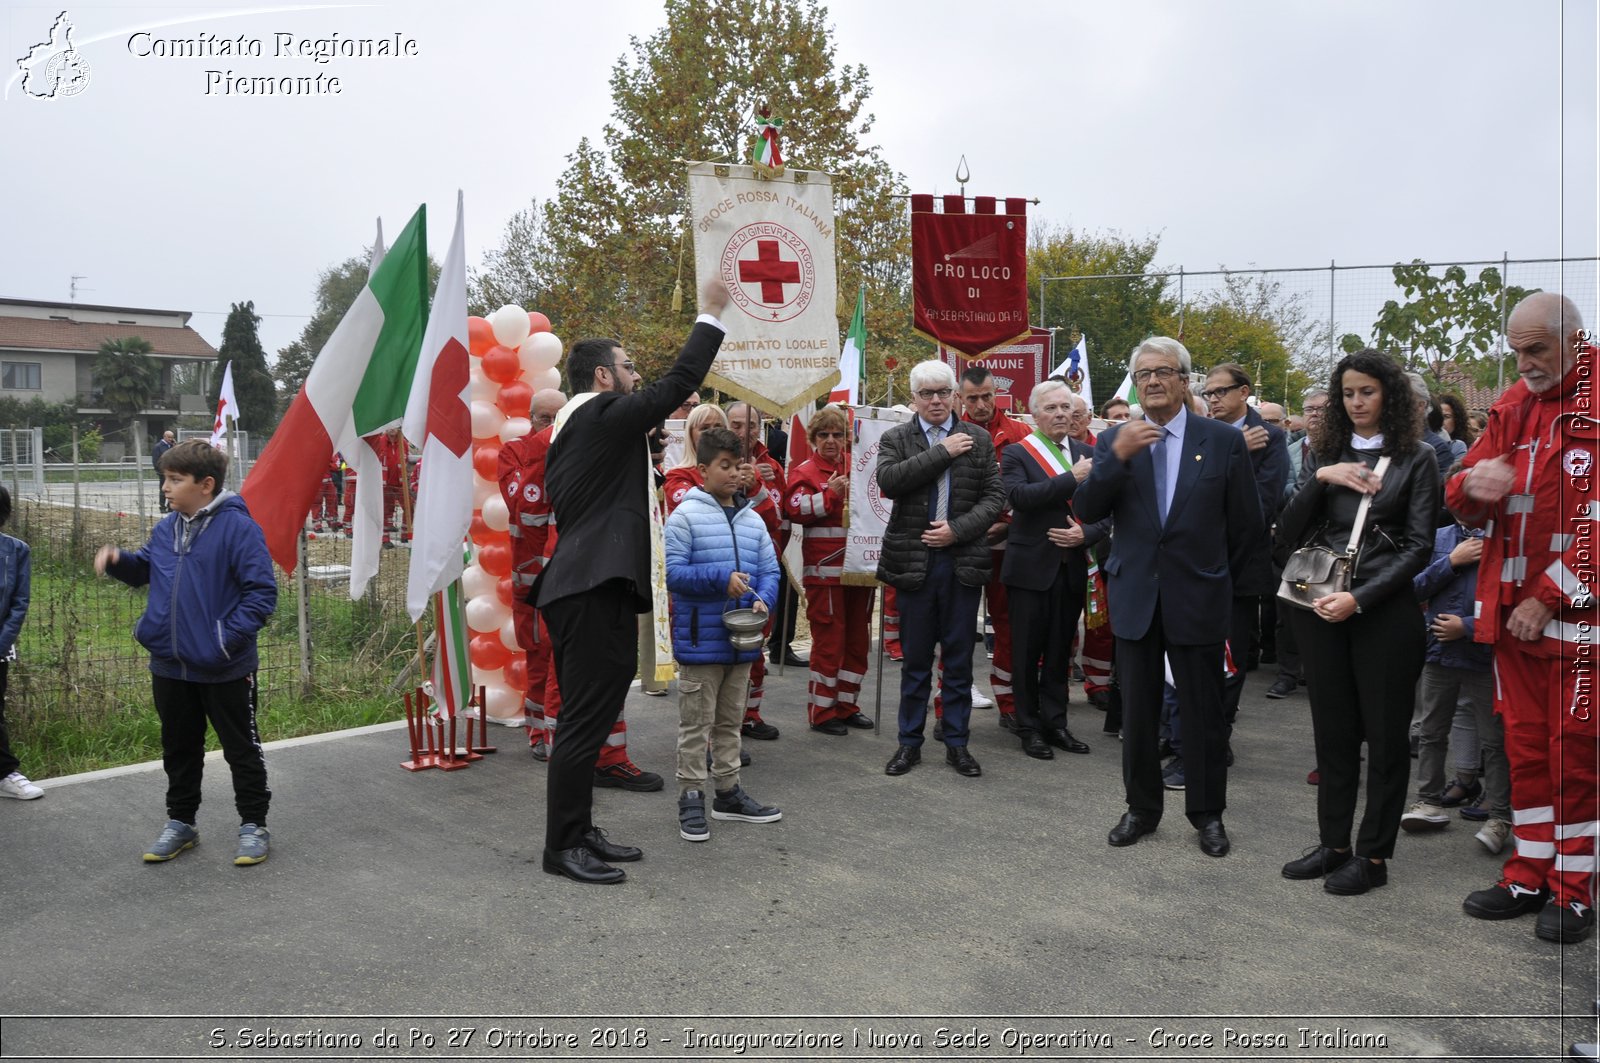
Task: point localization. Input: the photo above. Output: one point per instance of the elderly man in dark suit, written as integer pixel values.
(601, 488)
(942, 475)
(1182, 494)
(1046, 568)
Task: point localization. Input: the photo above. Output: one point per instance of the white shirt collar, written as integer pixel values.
(1375, 443)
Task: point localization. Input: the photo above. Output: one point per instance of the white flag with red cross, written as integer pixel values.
(227, 407)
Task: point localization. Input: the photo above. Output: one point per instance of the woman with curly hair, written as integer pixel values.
(1449, 416)
(1362, 649)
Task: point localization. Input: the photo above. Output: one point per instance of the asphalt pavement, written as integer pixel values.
(930, 916)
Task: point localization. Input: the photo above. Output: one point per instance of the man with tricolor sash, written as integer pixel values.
(1046, 569)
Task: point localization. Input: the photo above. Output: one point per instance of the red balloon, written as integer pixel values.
(501, 364)
(495, 557)
(478, 531)
(503, 590)
(537, 322)
(480, 336)
(515, 399)
(517, 672)
(486, 460)
(488, 652)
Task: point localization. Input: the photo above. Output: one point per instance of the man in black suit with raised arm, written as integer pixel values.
(592, 589)
(1182, 494)
(1046, 569)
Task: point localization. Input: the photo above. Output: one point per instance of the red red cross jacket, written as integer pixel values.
(1541, 540)
(522, 486)
(810, 504)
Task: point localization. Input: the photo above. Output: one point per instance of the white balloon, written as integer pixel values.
(486, 419)
(515, 428)
(503, 703)
(476, 581)
(510, 325)
(496, 514)
(482, 389)
(546, 378)
(508, 635)
(483, 490)
(543, 350)
(486, 612)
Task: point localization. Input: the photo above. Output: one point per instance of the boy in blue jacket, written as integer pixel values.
(211, 589)
(15, 582)
(719, 557)
(1457, 678)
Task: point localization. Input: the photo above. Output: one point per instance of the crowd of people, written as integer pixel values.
(1452, 621)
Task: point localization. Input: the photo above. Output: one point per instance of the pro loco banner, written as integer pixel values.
(771, 240)
(969, 272)
(869, 510)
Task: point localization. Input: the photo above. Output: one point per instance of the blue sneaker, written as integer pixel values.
(736, 804)
(253, 842)
(1172, 776)
(175, 837)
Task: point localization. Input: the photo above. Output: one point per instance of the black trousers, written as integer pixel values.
(787, 613)
(1361, 675)
(184, 708)
(594, 640)
(1243, 644)
(8, 759)
(1197, 670)
(1043, 625)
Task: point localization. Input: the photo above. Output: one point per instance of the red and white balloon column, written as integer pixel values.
(514, 354)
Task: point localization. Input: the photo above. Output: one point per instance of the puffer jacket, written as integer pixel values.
(907, 469)
(705, 546)
(211, 590)
(1398, 539)
(1447, 589)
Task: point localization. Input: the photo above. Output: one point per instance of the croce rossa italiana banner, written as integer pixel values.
(772, 243)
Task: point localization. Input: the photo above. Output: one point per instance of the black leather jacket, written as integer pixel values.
(1398, 540)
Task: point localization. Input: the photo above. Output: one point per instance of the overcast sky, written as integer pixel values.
(1273, 134)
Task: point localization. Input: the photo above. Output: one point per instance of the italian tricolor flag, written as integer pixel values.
(357, 386)
(1128, 390)
(853, 358)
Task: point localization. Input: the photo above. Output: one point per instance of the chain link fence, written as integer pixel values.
(1315, 308)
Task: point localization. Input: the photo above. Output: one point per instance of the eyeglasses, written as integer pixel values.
(928, 395)
(629, 367)
(1217, 393)
(1318, 408)
(830, 435)
(1165, 372)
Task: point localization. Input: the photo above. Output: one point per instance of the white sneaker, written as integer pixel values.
(1494, 835)
(981, 702)
(17, 785)
(1424, 816)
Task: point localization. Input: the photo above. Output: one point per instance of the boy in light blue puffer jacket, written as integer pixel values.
(719, 557)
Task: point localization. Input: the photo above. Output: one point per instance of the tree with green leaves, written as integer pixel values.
(603, 256)
(127, 378)
(252, 380)
(1114, 312)
(1444, 317)
(1253, 321)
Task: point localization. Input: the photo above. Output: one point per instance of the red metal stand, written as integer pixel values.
(477, 712)
(433, 738)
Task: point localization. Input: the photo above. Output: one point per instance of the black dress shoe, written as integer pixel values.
(859, 720)
(1129, 829)
(905, 758)
(1037, 747)
(958, 758)
(1008, 722)
(1357, 876)
(1213, 839)
(938, 730)
(1062, 739)
(1100, 699)
(831, 727)
(1317, 862)
(594, 840)
(788, 659)
(580, 865)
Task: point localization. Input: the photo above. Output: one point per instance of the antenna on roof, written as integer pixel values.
(76, 277)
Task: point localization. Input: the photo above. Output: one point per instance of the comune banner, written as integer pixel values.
(969, 273)
(771, 240)
(869, 510)
(1017, 367)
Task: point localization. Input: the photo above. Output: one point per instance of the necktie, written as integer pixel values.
(1158, 456)
(941, 496)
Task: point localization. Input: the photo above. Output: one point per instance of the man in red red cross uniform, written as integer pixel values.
(1530, 483)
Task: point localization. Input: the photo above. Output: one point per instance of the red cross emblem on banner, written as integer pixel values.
(769, 272)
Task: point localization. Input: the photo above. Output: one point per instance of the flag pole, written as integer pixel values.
(405, 531)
